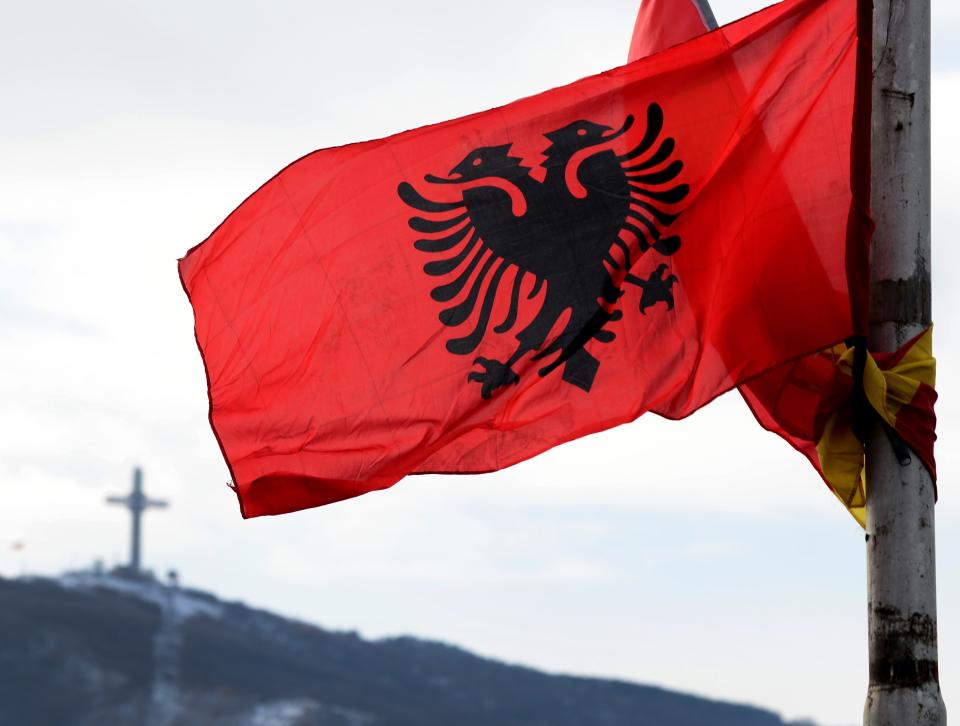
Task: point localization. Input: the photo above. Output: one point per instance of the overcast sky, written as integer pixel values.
(702, 555)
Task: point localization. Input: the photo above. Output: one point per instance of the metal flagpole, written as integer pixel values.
(901, 580)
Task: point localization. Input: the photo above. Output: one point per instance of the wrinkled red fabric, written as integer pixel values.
(664, 23)
(793, 400)
(330, 365)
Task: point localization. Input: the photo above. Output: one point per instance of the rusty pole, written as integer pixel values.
(901, 579)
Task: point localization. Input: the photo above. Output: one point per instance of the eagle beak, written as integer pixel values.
(627, 124)
(455, 178)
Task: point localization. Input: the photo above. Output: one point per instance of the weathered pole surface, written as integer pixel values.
(901, 580)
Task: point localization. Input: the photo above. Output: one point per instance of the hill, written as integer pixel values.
(87, 649)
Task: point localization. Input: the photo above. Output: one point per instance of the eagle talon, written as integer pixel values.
(495, 375)
(656, 289)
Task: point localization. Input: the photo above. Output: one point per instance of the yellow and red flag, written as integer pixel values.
(809, 401)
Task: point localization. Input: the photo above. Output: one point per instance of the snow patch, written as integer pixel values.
(182, 605)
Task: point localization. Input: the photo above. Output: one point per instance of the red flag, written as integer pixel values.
(463, 296)
(665, 23)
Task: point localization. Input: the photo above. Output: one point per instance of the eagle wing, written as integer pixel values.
(450, 234)
(648, 174)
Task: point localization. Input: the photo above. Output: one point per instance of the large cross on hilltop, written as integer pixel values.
(137, 502)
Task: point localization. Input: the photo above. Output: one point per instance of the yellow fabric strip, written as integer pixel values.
(841, 453)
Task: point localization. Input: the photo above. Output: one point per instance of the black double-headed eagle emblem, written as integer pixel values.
(576, 232)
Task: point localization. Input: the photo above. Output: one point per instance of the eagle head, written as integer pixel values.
(487, 161)
(566, 141)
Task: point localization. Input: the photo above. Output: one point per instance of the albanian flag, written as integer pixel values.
(461, 297)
